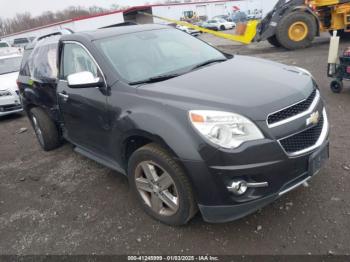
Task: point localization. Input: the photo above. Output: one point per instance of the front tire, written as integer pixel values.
(296, 30)
(161, 186)
(222, 28)
(45, 129)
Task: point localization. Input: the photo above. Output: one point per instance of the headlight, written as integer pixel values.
(228, 130)
(5, 93)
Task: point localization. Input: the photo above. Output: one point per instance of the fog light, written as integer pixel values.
(238, 187)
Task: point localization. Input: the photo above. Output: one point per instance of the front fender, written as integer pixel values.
(174, 131)
(170, 128)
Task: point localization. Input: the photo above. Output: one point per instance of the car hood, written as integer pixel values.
(246, 85)
(8, 81)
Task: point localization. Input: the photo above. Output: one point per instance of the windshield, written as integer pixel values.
(143, 55)
(9, 65)
(3, 45)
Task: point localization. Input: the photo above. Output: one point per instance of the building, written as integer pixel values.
(202, 8)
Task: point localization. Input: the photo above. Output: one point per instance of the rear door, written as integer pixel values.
(38, 77)
(83, 109)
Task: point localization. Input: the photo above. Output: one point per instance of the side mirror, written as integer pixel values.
(84, 80)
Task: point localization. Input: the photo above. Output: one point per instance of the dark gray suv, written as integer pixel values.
(192, 128)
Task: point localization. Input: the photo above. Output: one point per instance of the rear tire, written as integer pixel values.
(296, 30)
(273, 41)
(45, 129)
(157, 162)
(222, 28)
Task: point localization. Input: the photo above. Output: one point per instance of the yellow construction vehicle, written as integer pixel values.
(190, 17)
(292, 24)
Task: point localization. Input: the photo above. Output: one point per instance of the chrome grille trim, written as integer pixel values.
(287, 120)
(319, 142)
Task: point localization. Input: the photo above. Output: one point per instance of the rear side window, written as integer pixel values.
(42, 62)
(25, 65)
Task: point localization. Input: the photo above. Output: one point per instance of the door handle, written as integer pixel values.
(64, 96)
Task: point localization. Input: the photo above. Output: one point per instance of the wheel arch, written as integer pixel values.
(139, 138)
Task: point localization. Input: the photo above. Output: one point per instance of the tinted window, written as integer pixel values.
(75, 60)
(143, 55)
(10, 65)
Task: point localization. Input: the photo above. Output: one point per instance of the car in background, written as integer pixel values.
(225, 17)
(21, 42)
(190, 31)
(6, 51)
(218, 24)
(9, 94)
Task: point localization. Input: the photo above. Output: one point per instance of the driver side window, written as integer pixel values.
(76, 60)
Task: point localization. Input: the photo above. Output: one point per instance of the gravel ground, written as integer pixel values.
(63, 203)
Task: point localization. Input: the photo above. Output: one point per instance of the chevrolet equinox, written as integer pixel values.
(191, 127)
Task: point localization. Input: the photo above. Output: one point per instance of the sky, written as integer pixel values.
(8, 8)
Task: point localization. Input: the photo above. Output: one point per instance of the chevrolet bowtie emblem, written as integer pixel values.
(313, 119)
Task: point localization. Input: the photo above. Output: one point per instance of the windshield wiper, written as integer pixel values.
(154, 79)
(208, 62)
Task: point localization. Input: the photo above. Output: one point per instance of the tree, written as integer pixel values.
(25, 21)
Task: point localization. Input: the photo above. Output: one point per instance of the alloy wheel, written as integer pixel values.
(37, 130)
(157, 188)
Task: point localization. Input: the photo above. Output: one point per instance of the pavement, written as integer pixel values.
(59, 202)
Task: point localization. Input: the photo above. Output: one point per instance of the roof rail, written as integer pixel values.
(64, 31)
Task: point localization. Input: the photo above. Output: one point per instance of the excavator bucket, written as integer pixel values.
(245, 38)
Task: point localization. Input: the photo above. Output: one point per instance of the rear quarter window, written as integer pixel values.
(42, 63)
(24, 71)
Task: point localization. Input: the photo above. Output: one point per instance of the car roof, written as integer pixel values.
(113, 31)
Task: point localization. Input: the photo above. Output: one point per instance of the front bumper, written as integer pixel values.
(222, 214)
(243, 206)
(10, 105)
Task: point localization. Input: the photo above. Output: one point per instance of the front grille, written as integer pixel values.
(8, 108)
(292, 110)
(304, 139)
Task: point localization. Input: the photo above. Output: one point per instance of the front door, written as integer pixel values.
(83, 109)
